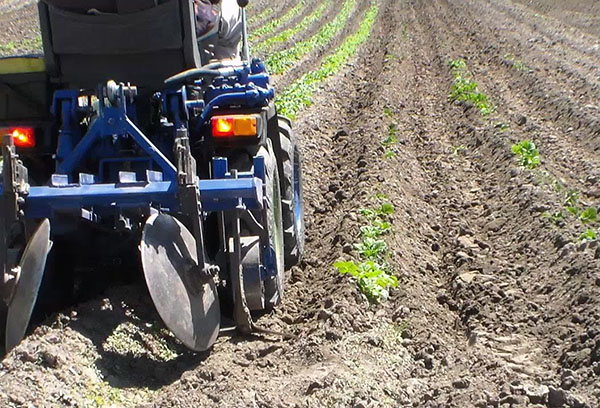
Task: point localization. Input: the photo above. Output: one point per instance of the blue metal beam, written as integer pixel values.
(216, 195)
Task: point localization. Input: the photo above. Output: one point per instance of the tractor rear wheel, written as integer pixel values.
(290, 170)
(274, 253)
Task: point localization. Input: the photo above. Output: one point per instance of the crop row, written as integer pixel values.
(280, 62)
(300, 93)
(260, 16)
(371, 273)
(465, 89)
(573, 209)
(277, 22)
(291, 32)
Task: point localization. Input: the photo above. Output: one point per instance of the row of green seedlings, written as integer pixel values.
(372, 271)
(529, 158)
(282, 61)
(390, 141)
(285, 35)
(300, 93)
(260, 16)
(272, 25)
(574, 209)
(465, 89)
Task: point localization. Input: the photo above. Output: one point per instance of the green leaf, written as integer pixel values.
(589, 215)
(346, 268)
(588, 235)
(387, 209)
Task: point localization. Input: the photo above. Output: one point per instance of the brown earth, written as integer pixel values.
(497, 306)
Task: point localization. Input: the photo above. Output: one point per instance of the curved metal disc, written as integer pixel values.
(188, 306)
(33, 263)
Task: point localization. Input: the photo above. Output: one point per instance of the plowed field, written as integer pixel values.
(497, 260)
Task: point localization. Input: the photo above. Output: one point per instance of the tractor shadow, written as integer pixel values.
(135, 349)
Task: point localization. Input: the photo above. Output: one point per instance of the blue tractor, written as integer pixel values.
(127, 146)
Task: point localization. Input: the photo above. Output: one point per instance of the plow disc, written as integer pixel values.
(26, 285)
(186, 301)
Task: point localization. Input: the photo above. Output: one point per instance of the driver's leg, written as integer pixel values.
(227, 46)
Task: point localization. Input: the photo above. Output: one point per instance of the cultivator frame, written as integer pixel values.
(159, 187)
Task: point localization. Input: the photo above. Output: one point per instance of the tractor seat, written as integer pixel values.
(104, 6)
(138, 41)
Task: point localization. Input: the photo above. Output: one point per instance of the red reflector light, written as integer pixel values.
(23, 136)
(222, 127)
(235, 125)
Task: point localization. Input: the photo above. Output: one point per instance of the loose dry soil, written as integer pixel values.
(497, 306)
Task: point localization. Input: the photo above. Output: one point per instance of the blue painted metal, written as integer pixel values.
(249, 97)
(110, 168)
(145, 180)
(65, 103)
(297, 194)
(221, 169)
(216, 195)
(114, 121)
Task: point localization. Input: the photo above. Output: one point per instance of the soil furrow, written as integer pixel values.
(328, 15)
(484, 261)
(314, 58)
(512, 92)
(497, 306)
(582, 14)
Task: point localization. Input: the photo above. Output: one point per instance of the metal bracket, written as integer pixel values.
(241, 312)
(15, 187)
(189, 197)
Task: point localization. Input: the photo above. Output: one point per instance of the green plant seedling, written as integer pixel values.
(371, 248)
(368, 213)
(375, 230)
(386, 209)
(556, 218)
(456, 150)
(372, 280)
(572, 198)
(589, 215)
(588, 235)
(387, 111)
(465, 89)
(381, 196)
(389, 141)
(457, 64)
(390, 154)
(528, 153)
(573, 210)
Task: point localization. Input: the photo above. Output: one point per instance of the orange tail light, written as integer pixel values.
(234, 126)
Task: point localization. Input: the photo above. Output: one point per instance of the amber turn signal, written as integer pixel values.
(234, 125)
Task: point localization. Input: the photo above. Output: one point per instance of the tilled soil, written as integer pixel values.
(497, 306)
